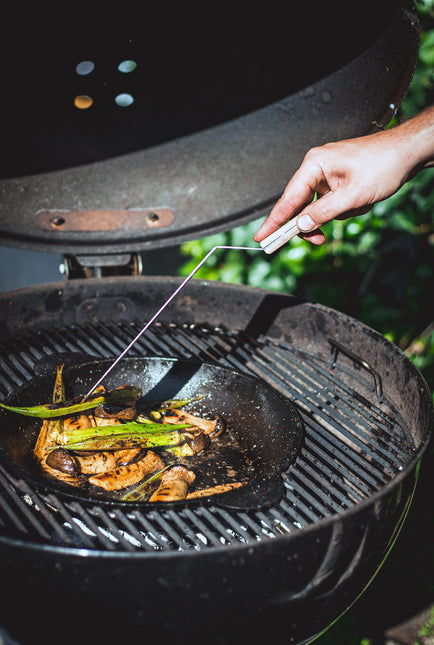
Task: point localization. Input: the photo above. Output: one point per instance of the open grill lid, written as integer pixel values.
(225, 105)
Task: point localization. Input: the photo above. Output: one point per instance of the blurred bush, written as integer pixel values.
(377, 267)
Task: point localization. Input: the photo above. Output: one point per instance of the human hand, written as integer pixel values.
(348, 177)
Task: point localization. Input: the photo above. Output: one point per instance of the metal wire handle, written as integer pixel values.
(163, 307)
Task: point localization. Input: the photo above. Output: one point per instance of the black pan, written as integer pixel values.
(263, 434)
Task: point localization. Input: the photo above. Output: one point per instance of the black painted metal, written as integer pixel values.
(206, 571)
(81, 572)
(226, 108)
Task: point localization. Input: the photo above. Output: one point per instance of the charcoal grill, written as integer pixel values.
(294, 566)
(82, 571)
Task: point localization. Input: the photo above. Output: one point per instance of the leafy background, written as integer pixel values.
(378, 268)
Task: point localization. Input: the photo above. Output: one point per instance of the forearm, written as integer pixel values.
(349, 177)
(416, 138)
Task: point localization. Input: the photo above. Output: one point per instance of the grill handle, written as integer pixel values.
(337, 347)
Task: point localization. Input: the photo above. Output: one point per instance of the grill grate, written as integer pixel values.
(355, 442)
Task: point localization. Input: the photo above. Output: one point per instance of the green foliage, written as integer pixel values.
(377, 267)
(427, 630)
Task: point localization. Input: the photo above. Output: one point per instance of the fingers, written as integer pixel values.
(343, 186)
(349, 177)
(299, 192)
(316, 237)
(332, 205)
(323, 210)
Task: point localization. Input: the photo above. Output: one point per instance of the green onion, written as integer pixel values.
(123, 394)
(132, 428)
(184, 450)
(145, 489)
(125, 441)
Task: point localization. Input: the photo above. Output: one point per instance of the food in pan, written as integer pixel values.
(112, 441)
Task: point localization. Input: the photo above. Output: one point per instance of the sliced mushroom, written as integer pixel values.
(174, 485)
(95, 463)
(116, 412)
(214, 490)
(124, 476)
(212, 427)
(80, 421)
(77, 422)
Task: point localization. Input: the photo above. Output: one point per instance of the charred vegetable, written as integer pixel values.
(174, 485)
(128, 440)
(123, 394)
(47, 439)
(81, 435)
(212, 427)
(130, 474)
(111, 442)
(146, 488)
(214, 490)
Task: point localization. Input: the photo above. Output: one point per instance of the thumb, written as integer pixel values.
(323, 210)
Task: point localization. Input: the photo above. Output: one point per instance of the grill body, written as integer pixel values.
(293, 586)
(208, 572)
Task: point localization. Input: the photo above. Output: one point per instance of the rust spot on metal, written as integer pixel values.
(65, 221)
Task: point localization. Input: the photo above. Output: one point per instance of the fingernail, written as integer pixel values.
(306, 224)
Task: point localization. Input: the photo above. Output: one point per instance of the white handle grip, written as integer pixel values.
(280, 237)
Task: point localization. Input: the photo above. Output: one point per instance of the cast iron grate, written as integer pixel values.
(355, 442)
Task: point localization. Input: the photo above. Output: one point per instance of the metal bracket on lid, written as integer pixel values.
(103, 221)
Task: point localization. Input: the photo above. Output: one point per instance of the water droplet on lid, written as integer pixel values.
(308, 91)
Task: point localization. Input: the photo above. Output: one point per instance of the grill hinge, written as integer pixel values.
(99, 266)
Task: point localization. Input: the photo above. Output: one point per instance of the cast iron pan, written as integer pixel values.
(263, 436)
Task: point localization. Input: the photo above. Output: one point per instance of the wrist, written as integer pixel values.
(417, 141)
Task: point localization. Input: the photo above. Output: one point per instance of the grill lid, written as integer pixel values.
(224, 108)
